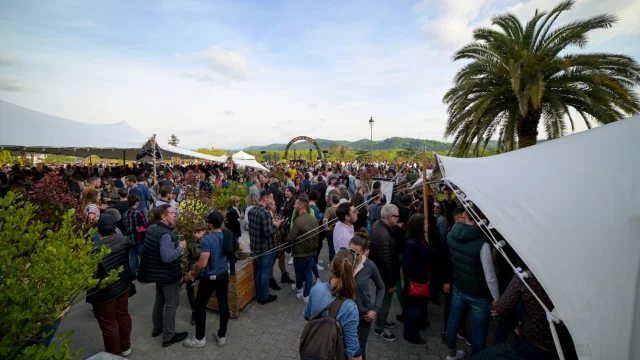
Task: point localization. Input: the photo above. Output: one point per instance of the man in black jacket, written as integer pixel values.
(274, 188)
(321, 187)
(384, 254)
(160, 264)
(110, 303)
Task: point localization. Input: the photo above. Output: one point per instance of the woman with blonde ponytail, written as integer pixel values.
(366, 271)
(341, 286)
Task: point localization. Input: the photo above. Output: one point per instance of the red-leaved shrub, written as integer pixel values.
(52, 197)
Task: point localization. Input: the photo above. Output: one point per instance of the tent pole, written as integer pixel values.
(425, 189)
(124, 163)
(154, 160)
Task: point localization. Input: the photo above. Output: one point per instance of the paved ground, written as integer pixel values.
(269, 331)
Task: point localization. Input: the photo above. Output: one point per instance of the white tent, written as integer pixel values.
(571, 209)
(241, 155)
(32, 131)
(241, 158)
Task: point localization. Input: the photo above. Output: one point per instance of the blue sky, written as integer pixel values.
(238, 73)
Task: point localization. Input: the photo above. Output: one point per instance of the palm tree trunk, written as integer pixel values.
(528, 129)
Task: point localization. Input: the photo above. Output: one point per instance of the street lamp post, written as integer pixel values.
(371, 122)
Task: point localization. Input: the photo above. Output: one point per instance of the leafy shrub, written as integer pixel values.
(195, 205)
(53, 199)
(221, 195)
(43, 271)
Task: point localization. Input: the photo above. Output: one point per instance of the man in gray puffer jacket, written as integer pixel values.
(365, 272)
(110, 303)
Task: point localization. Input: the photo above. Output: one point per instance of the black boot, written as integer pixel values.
(285, 279)
(273, 284)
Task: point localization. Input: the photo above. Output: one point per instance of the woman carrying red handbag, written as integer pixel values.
(415, 265)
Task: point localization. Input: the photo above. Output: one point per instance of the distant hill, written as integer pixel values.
(365, 144)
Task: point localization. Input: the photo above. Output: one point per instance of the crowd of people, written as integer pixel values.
(378, 247)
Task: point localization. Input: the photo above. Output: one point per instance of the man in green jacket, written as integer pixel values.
(475, 284)
(304, 237)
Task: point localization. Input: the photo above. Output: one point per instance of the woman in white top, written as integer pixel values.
(90, 206)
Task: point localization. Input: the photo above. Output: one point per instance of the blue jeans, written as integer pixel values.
(332, 250)
(263, 275)
(304, 272)
(479, 320)
(134, 254)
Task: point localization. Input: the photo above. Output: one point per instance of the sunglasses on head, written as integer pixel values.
(353, 252)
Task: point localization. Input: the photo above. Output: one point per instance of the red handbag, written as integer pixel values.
(416, 289)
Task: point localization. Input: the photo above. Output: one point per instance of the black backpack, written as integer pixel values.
(322, 337)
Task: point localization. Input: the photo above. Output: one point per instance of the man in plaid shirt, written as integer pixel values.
(262, 229)
(135, 227)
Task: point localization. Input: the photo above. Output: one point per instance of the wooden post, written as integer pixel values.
(155, 176)
(425, 189)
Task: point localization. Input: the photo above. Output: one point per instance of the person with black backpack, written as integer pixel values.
(332, 329)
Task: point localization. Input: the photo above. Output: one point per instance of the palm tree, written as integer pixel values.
(518, 77)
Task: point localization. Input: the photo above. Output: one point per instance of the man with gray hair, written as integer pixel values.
(384, 254)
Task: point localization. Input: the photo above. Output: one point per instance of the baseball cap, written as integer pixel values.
(216, 219)
(106, 225)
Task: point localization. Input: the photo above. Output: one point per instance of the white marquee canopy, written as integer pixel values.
(241, 158)
(32, 131)
(571, 209)
(241, 155)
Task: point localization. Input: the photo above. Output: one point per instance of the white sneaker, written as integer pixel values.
(221, 340)
(459, 355)
(294, 288)
(127, 352)
(290, 261)
(192, 342)
(320, 268)
(302, 297)
(320, 261)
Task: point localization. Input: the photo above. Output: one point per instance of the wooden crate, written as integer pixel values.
(242, 288)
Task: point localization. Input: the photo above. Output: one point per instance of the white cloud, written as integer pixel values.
(10, 83)
(6, 60)
(454, 25)
(221, 62)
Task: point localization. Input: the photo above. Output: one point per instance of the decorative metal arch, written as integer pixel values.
(298, 138)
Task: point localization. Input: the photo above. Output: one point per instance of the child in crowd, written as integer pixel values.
(189, 259)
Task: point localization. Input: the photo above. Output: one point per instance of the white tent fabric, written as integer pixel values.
(250, 163)
(571, 209)
(169, 151)
(241, 155)
(418, 182)
(32, 131)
